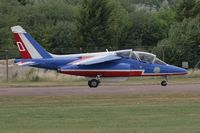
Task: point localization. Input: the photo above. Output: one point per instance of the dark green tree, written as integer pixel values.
(62, 38)
(183, 42)
(165, 18)
(23, 2)
(101, 24)
(51, 22)
(187, 9)
(145, 30)
(9, 10)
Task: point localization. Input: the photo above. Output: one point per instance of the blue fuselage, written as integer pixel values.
(120, 68)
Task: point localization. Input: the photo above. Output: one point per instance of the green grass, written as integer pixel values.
(125, 113)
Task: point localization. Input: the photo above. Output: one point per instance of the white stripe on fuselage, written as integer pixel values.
(31, 49)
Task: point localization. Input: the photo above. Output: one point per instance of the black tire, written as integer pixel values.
(93, 83)
(164, 83)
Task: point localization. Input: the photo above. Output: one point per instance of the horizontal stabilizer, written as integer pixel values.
(27, 63)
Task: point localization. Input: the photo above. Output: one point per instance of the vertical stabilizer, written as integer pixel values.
(28, 47)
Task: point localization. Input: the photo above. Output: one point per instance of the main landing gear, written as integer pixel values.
(94, 83)
(165, 82)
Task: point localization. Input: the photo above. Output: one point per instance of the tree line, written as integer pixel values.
(168, 28)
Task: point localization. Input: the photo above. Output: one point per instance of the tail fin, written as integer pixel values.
(28, 47)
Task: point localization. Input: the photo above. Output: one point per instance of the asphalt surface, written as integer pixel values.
(84, 90)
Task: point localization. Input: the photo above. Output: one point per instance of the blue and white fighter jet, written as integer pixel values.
(95, 66)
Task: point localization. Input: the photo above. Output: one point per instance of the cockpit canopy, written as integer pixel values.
(141, 56)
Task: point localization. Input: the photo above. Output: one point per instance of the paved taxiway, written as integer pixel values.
(84, 90)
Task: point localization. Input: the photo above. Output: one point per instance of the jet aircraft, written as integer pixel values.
(95, 66)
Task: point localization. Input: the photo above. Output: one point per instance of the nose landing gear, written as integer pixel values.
(164, 82)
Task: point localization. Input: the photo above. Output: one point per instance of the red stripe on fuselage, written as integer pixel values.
(104, 73)
(24, 53)
(95, 73)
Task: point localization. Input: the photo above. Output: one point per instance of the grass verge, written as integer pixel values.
(119, 113)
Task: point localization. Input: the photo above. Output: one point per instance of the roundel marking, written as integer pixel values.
(156, 70)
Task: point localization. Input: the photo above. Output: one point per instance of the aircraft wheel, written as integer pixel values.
(93, 83)
(164, 83)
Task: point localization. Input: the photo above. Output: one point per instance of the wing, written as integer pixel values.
(96, 60)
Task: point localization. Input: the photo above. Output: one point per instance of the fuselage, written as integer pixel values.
(124, 67)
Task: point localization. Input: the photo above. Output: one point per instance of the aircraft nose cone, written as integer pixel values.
(179, 70)
(182, 70)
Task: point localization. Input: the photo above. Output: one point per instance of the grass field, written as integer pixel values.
(116, 113)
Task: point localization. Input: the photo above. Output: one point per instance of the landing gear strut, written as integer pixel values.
(164, 82)
(94, 83)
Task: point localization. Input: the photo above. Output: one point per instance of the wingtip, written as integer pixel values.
(17, 29)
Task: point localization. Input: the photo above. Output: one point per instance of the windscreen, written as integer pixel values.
(158, 61)
(145, 57)
(148, 58)
(133, 56)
